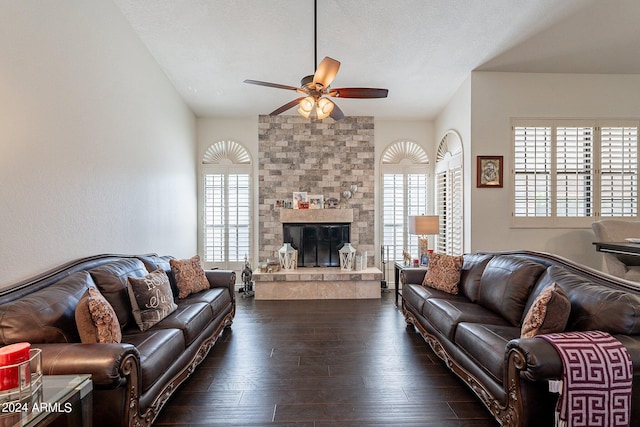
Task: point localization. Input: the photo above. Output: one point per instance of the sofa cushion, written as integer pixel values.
(486, 345)
(446, 314)
(111, 280)
(191, 319)
(415, 296)
(472, 268)
(46, 315)
(218, 300)
(594, 307)
(443, 273)
(154, 262)
(548, 313)
(553, 274)
(151, 298)
(86, 328)
(505, 286)
(96, 320)
(190, 277)
(159, 349)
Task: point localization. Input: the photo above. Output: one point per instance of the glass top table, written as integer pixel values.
(67, 396)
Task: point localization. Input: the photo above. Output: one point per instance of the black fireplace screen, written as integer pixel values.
(317, 244)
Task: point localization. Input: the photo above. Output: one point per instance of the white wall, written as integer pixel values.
(97, 150)
(498, 97)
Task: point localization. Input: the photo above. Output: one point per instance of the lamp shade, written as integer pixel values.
(424, 224)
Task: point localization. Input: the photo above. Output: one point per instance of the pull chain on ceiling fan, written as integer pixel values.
(316, 87)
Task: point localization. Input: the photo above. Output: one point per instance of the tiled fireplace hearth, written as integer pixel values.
(318, 283)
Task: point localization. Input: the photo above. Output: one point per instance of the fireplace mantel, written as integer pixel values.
(308, 216)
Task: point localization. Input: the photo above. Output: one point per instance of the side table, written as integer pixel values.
(398, 267)
(66, 396)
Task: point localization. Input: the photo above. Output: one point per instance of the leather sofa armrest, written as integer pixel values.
(541, 360)
(410, 275)
(108, 364)
(222, 279)
(544, 363)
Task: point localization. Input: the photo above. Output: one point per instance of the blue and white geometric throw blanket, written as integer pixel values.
(596, 380)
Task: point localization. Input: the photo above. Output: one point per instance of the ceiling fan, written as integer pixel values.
(316, 88)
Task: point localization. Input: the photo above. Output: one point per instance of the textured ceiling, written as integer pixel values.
(421, 50)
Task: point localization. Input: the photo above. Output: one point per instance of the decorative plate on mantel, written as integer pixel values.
(332, 203)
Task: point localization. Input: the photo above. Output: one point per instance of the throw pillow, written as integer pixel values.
(444, 272)
(190, 277)
(96, 320)
(548, 314)
(151, 298)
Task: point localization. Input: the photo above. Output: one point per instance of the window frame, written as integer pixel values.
(226, 171)
(409, 241)
(553, 220)
(225, 157)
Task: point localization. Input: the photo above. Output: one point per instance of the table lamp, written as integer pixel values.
(424, 225)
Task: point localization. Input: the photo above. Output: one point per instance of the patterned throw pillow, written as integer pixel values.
(190, 277)
(548, 314)
(96, 320)
(444, 273)
(151, 298)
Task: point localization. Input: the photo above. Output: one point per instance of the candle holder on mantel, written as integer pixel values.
(288, 257)
(347, 257)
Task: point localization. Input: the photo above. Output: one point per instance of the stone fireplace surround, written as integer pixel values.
(322, 157)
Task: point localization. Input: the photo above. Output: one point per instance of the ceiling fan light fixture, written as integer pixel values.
(324, 108)
(317, 85)
(306, 106)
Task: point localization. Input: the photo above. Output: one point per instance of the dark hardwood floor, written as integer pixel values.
(321, 363)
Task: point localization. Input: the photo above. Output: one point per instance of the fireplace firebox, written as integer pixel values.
(317, 244)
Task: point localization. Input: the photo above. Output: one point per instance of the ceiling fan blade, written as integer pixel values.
(275, 85)
(336, 113)
(358, 92)
(326, 72)
(286, 106)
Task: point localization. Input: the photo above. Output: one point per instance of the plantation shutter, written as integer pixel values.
(417, 205)
(574, 171)
(214, 218)
(226, 217)
(454, 224)
(403, 195)
(532, 171)
(393, 214)
(619, 171)
(238, 217)
(449, 193)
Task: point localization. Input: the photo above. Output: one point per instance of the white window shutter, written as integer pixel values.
(532, 171)
(619, 171)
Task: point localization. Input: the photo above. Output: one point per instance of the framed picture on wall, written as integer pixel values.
(315, 201)
(299, 196)
(490, 172)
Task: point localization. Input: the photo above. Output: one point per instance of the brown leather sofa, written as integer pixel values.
(477, 332)
(132, 380)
